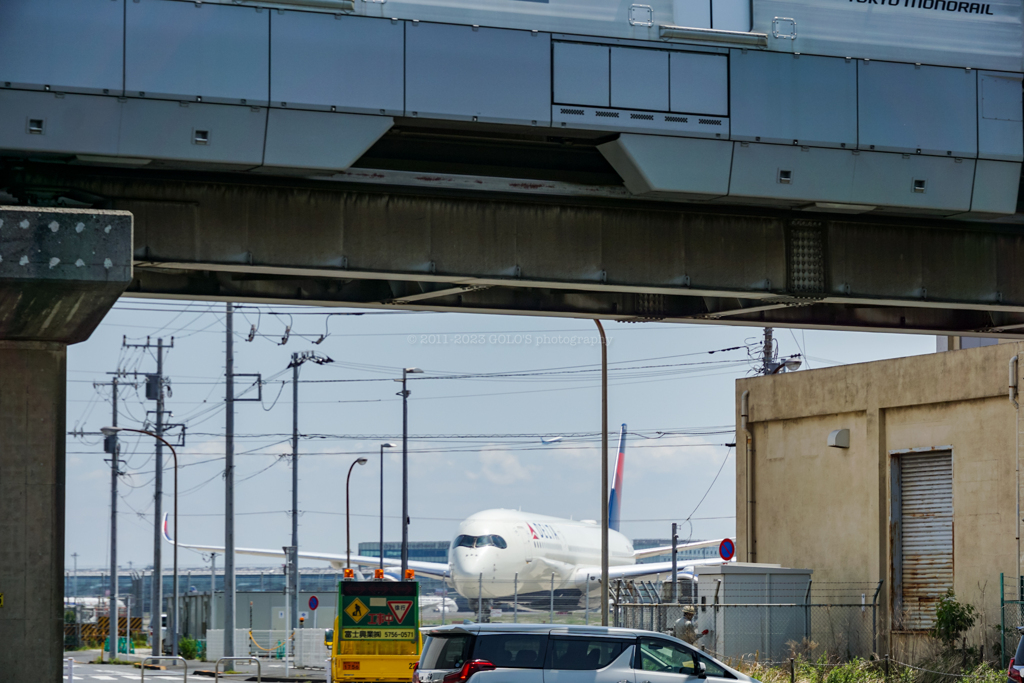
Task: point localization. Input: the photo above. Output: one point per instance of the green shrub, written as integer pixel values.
(953, 619)
(188, 648)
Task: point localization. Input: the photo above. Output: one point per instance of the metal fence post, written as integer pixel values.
(515, 599)
(586, 610)
(874, 618)
(1002, 622)
(792, 670)
(887, 667)
(480, 601)
(551, 613)
(619, 596)
(807, 612)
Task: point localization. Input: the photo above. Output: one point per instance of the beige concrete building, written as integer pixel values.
(923, 497)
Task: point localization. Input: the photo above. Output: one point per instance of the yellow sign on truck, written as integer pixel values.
(376, 631)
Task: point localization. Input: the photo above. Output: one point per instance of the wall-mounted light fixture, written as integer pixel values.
(840, 438)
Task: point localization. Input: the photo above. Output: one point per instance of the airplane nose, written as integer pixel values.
(466, 561)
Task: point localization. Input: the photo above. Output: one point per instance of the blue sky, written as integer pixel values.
(477, 442)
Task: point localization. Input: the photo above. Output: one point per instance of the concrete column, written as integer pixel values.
(60, 272)
(32, 390)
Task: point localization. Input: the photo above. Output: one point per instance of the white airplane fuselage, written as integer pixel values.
(536, 547)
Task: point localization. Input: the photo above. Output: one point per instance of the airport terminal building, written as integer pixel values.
(899, 471)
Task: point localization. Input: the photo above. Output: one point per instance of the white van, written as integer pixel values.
(550, 653)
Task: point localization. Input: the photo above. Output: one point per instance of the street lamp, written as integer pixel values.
(348, 527)
(405, 469)
(604, 475)
(111, 431)
(788, 365)
(381, 549)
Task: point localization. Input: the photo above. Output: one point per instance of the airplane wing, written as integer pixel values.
(629, 571)
(662, 550)
(432, 569)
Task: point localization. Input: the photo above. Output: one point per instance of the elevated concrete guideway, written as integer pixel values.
(342, 244)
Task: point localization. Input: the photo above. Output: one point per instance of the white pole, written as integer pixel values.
(551, 615)
(213, 587)
(586, 611)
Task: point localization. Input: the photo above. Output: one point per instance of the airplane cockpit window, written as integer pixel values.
(464, 541)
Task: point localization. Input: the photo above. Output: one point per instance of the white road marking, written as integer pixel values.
(104, 678)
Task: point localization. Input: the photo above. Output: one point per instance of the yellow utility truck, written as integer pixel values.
(376, 635)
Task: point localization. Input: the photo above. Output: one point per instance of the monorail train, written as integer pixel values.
(841, 106)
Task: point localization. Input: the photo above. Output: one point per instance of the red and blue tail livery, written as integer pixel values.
(615, 497)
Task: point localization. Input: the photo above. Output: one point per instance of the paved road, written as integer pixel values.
(107, 672)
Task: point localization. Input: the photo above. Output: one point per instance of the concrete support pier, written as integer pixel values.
(60, 272)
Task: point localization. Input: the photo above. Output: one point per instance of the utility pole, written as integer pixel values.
(229, 485)
(293, 557)
(405, 483)
(767, 352)
(113, 447)
(229, 476)
(155, 392)
(293, 575)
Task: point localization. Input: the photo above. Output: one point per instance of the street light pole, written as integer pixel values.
(405, 470)
(348, 526)
(110, 431)
(381, 548)
(604, 475)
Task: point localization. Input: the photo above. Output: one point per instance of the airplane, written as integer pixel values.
(437, 603)
(500, 553)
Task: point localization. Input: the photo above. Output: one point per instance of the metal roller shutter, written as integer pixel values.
(926, 546)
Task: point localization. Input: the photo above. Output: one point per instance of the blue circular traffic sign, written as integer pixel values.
(313, 603)
(726, 549)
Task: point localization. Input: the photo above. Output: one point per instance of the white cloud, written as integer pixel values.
(502, 467)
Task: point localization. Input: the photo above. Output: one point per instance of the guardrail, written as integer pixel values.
(69, 670)
(163, 657)
(259, 667)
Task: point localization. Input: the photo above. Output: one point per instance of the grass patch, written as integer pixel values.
(824, 670)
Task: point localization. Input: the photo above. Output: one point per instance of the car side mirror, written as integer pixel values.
(329, 638)
(702, 671)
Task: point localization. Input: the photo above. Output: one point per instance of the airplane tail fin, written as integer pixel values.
(165, 527)
(615, 496)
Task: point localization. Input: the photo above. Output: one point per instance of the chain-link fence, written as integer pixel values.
(766, 620)
(765, 632)
(1011, 617)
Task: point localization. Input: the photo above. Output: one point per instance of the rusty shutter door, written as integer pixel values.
(927, 544)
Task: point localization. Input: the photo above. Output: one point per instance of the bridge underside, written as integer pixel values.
(226, 237)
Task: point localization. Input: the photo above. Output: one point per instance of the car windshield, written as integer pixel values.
(464, 541)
